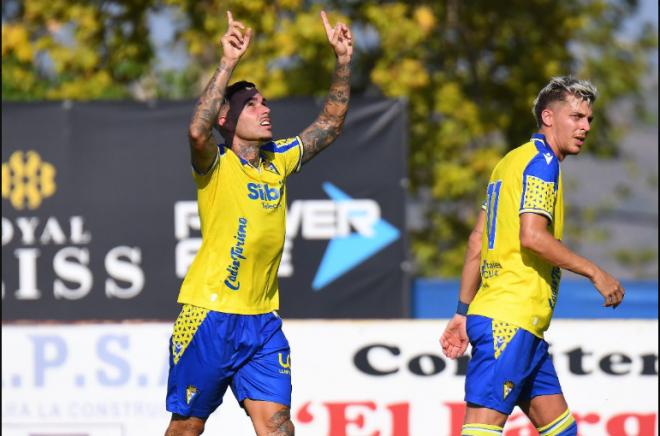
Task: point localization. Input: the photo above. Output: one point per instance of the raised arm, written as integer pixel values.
(330, 121)
(203, 149)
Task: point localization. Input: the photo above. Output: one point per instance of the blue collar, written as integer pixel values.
(224, 147)
(536, 137)
(270, 165)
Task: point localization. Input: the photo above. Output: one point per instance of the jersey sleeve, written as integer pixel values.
(287, 153)
(202, 179)
(540, 183)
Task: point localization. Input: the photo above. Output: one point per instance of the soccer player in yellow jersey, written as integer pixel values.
(228, 333)
(510, 279)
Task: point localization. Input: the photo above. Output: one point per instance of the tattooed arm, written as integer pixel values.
(329, 123)
(203, 149)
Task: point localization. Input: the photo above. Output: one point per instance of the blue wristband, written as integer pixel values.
(462, 308)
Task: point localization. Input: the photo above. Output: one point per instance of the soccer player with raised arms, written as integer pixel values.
(510, 279)
(228, 333)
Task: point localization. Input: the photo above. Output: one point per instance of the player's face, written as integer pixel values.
(571, 124)
(254, 123)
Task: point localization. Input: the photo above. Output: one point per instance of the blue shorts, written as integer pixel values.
(212, 350)
(509, 365)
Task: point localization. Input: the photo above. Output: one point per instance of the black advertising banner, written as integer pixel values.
(99, 218)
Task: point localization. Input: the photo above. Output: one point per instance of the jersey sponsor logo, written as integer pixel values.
(490, 269)
(263, 192)
(236, 254)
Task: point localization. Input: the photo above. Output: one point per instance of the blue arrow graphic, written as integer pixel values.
(345, 253)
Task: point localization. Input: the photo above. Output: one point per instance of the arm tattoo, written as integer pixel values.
(329, 123)
(209, 103)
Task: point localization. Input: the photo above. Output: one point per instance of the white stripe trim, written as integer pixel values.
(215, 162)
(481, 429)
(536, 211)
(557, 424)
(302, 149)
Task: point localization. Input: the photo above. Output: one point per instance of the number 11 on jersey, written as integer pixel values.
(491, 211)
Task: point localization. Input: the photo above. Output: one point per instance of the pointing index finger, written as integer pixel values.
(326, 23)
(230, 18)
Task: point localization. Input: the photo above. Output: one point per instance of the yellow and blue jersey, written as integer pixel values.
(517, 286)
(242, 213)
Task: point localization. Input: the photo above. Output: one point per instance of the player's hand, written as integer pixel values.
(236, 40)
(609, 287)
(454, 340)
(340, 38)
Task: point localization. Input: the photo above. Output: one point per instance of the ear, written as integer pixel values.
(222, 119)
(547, 117)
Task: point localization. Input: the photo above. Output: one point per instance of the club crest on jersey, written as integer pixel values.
(191, 393)
(508, 387)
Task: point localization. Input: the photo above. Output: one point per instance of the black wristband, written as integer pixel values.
(462, 308)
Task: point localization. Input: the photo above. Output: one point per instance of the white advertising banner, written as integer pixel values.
(350, 378)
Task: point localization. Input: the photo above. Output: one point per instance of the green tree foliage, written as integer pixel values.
(79, 50)
(468, 70)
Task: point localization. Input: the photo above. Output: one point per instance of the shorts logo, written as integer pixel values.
(508, 387)
(285, 364)
(191, 393)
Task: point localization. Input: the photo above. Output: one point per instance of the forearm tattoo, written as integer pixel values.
(329, 123)
(208, 106)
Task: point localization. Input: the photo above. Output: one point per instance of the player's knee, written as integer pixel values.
(564, 425)
(185, 427)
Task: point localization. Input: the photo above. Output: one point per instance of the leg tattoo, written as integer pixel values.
(280, 423)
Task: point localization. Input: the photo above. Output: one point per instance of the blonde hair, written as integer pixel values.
(558, 89)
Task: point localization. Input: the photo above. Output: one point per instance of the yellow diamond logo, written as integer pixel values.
(27, 180)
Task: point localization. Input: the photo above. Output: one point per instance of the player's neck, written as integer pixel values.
(247, 150)
(551, 141)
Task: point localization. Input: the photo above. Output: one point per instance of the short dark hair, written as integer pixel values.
(557, 90)
(234, 108)
(237, 86)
